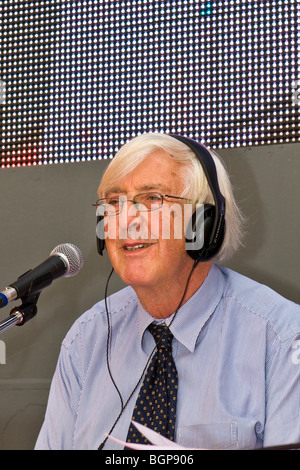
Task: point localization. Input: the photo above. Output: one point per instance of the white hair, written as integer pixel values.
(195, 182)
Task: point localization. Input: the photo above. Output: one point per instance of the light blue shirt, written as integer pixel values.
(237, 351)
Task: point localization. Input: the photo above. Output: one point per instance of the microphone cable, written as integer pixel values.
(123, 405)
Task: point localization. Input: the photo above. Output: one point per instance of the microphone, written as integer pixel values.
(65, 260)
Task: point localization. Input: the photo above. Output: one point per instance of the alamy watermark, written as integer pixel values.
(174, 221)
(2, 92)
(296, 92)
(2, 352)
(296, 353)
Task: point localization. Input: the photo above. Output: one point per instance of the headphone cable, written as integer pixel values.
(123, 406)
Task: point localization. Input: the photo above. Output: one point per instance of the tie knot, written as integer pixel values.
(161, 334)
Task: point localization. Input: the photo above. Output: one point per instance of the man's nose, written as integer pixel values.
(132, 222)
(128, 213)
(129, 209)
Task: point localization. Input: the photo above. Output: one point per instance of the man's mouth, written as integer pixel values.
(138, 246)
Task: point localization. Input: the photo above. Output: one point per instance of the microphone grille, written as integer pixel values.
(73, 257)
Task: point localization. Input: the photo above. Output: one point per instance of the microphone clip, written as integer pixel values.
(22, 314)
(27, 310)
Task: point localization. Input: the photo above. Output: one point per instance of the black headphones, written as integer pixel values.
(211, 215)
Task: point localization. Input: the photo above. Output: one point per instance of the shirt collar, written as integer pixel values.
(193, 315)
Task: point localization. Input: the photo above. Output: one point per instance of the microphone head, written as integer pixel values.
(72, 257)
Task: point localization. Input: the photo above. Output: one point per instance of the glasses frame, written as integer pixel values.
(122, 201)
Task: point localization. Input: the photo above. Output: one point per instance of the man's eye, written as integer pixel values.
(153, 197)
(113, 201)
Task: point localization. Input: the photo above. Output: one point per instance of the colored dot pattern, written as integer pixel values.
(156, 404)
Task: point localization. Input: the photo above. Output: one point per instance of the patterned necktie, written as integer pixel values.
(156, 404)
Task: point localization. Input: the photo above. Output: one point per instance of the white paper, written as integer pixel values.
(158, 442)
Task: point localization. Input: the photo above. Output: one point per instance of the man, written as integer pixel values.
(235, 343)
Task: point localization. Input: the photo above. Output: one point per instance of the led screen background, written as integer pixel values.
(79, 78)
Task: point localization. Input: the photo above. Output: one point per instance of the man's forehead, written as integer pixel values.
(121, 188)
(158, 171)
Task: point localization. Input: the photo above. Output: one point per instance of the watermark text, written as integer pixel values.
(296, 92)
(2, 352)
(296, 353)
(174, 221)
(2, 92)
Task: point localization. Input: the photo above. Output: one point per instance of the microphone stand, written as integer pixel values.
(20, 315)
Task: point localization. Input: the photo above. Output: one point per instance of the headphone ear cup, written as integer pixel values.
(199, 232)
(100, 236)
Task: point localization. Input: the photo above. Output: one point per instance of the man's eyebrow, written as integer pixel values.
(113, 191)
(145, 187)
(151, 187)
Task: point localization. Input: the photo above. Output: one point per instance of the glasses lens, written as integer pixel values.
(108, 206)
(148, 201)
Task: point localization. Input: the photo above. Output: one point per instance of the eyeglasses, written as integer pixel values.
(144, 202)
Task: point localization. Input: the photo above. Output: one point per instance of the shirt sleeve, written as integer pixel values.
(57, 432)
(283, 394)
